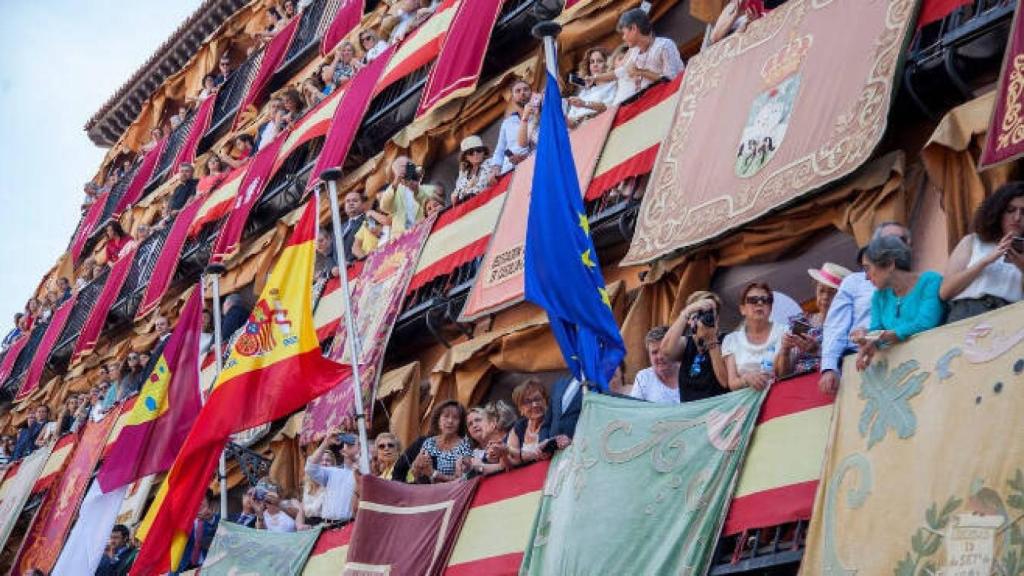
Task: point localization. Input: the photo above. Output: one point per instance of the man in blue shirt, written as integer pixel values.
(13, 334)
(201, 535)
(851, 309)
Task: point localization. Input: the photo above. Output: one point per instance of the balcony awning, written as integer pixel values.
(768, 116)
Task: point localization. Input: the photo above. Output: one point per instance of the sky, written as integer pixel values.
(60, 60)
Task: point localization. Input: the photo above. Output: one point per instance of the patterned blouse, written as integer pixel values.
(444, 461)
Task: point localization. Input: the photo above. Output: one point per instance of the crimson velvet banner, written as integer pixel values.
(53, 330)
(500, 281)
(407, 529)
(345, 20)
(273, 55)
(98, 315)
(141, 178)
(462, 55)
(376, 302)
(770, 115)
(349, 115)
(187, 153)
(167, 261)
(85, 228)
(250, 190)
(46, 536)
(12, 356)
(1005, 138)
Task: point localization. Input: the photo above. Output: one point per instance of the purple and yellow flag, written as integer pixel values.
(165, 410)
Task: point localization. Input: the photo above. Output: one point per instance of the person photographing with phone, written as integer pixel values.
(404, 197)
(339, 482)
(801, 345)
(693, 341)
(984, 272)
(508, 153)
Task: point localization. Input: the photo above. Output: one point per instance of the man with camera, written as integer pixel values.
(339, 482)
(693, 341)
(403, 199)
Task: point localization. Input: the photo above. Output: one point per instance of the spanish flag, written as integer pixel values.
(275, 368)
(166, 407)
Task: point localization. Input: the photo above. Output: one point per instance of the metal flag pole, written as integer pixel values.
(331, 177)
(214, 272)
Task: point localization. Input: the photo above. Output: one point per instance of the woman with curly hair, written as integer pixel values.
(984, 271)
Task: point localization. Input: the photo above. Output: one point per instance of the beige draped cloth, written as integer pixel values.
(951, 160)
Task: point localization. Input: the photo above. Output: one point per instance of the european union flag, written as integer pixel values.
(562, 274)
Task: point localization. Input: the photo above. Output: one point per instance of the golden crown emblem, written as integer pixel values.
(787, 60)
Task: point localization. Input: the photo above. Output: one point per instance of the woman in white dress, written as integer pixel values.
(599, 92)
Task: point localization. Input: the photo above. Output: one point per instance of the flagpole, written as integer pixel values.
(215, 271)
(546, 31)
(331, 177)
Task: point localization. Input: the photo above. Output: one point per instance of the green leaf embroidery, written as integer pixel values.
(887, 400)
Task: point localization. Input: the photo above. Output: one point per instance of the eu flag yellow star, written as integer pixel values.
(604, 297)
(584, 223)
(588, 261)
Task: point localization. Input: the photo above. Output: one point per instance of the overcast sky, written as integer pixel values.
(60, 60)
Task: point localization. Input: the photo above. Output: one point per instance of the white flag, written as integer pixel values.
(16, 490)
(85, 546)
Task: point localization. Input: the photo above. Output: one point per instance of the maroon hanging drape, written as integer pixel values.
(187, 152)
(167, 261)
(273, 55)
(98, 315)
(12, 356)
(349, 14)
(138, 183)
(349, 115)
(253, 184)
(462, 55)
(89, 221)
(935, 10)
(53, 330)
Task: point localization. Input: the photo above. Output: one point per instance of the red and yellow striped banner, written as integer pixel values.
(783, 464)
(500, 521)
(637, 132)
(329, 553)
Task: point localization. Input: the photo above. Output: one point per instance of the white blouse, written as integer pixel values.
(999, 278)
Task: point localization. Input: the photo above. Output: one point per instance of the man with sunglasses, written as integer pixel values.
(851, 309)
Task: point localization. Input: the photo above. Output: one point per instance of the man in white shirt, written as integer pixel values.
(649, 58)
(508, 152)
(850, 309)
(660, 382)
(339, 482)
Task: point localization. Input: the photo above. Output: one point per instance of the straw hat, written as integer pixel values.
(471, 142)
(829, 274)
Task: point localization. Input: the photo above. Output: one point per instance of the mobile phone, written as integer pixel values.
(535, 100)
(799, 328)
(549, 447)
(411, 172)
(577, 80)
(1018, 244)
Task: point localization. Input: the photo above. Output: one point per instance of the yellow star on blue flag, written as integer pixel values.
(562, 273)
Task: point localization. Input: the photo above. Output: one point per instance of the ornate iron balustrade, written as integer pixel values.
(87, 296)
(116, 194)
(21, 363)
(774, 550)
(196, 252)
(389, 112)
(253, 465)
(128, 300)
(315, 19)
(174, 143)
(230, 96)
(954, 59)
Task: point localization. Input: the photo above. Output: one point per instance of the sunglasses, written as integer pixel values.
(758, 300)
(535, 400)
(384, 445)
(477, 151)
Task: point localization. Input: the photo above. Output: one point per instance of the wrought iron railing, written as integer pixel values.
(252, 464)
(175, 141)
(389, 112)
(315, 19)
(231, 94)
(21, 363)
(86, 299)
(146, 256)
(774, 550)
(196, 252)
(116, 194)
